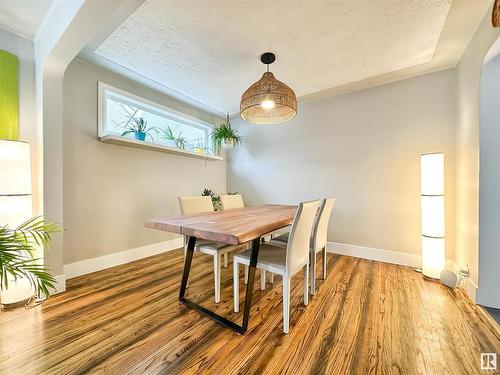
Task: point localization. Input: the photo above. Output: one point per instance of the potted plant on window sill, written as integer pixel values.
(175, 141)
(138, 127)
(225, 137)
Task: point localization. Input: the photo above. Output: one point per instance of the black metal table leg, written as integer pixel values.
(254, 254)
(188, 259)
(249, 292)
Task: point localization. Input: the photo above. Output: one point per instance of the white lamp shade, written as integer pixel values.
(15, 210)
(432, 216)
(15, 164)
(433, 261)
(432, 174)
(432, 204)
(15, 205)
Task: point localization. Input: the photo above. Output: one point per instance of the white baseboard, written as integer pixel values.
(60, 284)
(470, 288)
(96, 264)
(468, 285)
(387, 256)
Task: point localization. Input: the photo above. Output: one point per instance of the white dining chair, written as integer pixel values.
(232, 201)
(284, 261)
(229, 202)
(199, 204)
(318, 239)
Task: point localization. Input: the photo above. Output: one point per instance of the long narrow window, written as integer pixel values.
(121, 111)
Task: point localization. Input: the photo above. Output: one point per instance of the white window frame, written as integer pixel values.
(149, 106)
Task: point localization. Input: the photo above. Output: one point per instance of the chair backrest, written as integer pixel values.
(231, 201)
(297, 251)
(193, 205)
(320, 228)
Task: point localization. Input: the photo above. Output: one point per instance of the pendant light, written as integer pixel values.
(268, 101)
(495, 14)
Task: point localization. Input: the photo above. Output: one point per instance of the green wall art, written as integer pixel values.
(9, 95)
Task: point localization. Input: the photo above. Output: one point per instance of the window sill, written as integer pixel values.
(122, 141)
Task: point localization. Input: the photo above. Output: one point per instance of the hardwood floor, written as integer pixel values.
(367, 317)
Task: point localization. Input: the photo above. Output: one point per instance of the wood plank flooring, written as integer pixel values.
(366, 318)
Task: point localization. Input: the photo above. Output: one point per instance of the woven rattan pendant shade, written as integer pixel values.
(281, 100)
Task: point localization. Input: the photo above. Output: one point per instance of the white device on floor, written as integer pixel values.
(448, 278)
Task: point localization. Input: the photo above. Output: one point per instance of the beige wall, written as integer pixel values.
(110, 190)
(362, 148)
(467, 145)
(489, 180)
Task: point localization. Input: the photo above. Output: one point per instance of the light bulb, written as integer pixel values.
(267, 104)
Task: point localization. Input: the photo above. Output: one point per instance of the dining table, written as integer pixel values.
(247, 225)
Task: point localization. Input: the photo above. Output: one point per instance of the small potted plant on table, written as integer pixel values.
(215, 198)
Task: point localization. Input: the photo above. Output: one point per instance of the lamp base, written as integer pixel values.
(17, 295)
(431, 274)
(14, 305)
(428, 278)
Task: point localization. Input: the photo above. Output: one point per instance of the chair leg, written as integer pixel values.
(262, 280)
(286, 303)
(324, 263)
(306, 284)
(217, 270)
(225, 260)
(236, 286)
(312, 256)
(246, 274)
(271, 277)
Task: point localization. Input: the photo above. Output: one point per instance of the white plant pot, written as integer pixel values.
(228, 145)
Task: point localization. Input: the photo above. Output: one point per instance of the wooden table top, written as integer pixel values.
(234, 227)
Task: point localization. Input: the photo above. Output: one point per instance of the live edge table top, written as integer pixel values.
(233, 227)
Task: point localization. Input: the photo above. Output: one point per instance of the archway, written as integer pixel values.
(66, 31)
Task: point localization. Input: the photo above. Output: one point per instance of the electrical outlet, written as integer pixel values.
(464, 272)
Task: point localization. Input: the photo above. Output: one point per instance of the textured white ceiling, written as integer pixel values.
(23, 17)
(209, 50)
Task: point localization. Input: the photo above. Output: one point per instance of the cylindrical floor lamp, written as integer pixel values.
(15, 204)
(432, 204)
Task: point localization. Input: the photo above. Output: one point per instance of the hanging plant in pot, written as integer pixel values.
(225, 137)
(138, 127)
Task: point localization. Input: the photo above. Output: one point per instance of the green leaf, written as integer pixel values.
(17, 247)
